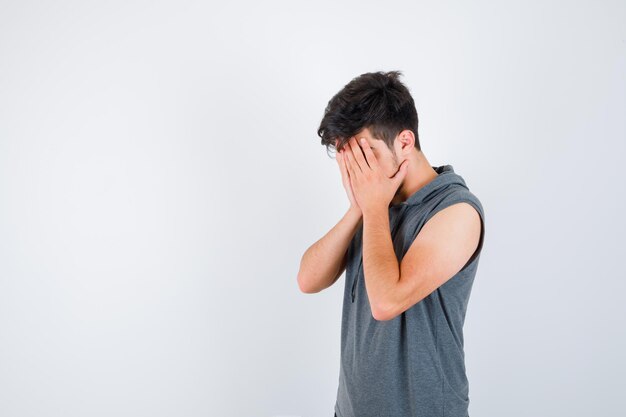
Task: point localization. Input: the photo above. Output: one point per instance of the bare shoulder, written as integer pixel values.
(461, 217)
(453, 232)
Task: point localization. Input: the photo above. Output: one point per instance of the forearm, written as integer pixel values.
(380, 264)
(321, 263)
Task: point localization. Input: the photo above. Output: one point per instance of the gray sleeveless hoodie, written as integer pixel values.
(414, 364)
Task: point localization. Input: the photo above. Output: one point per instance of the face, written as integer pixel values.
(387, 159)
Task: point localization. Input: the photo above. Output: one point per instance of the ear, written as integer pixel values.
(407, 139)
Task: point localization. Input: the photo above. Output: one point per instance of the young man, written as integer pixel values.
(410, 244)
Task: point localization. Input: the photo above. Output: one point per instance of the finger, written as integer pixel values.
(351, 159)
(401, 173)
(369, 155)
(350, 162)
(357, 154)
(342, 164)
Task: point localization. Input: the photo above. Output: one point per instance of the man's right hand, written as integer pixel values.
(345, 178)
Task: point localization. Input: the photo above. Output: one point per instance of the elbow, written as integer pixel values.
(304, 287)
(383, 312)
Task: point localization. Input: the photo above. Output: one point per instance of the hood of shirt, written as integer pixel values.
(446, 177)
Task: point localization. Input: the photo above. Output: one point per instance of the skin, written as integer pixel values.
(419, 171)
(375, 178)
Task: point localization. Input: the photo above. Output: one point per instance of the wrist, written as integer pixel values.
(355, 211)
(375, 212)
(354, 215)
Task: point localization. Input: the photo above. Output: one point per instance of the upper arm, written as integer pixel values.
(442, 247)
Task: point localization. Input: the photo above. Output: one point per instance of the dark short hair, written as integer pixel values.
(378, 101)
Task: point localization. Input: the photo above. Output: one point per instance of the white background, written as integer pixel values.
(161, 176)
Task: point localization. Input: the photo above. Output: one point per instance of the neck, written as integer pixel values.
(419, 173)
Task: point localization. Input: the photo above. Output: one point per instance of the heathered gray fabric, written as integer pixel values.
(414, 364)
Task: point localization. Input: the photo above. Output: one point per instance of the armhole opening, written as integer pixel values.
(482, 235)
